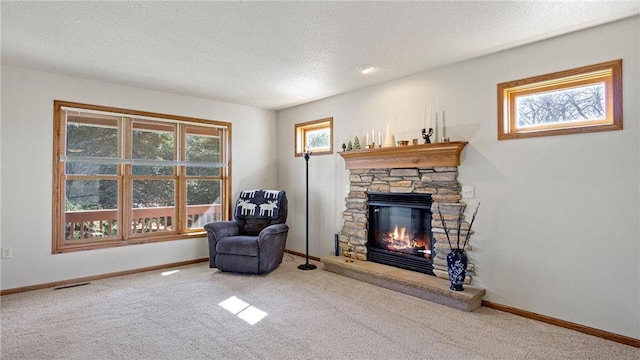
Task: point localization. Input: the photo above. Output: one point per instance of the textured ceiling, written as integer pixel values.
(275, 54)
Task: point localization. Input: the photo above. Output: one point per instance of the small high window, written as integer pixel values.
(315, 136)
(586, 99)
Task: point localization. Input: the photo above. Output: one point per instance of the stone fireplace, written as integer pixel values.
(424, 174)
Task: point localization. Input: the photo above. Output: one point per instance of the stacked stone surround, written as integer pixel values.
(441, 182)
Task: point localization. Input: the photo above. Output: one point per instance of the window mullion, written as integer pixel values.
(126, 183)
(181, 183)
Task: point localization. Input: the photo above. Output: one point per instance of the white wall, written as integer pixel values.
(27, 144)
(558, 230)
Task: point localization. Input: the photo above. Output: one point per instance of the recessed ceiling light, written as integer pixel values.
(365, 69)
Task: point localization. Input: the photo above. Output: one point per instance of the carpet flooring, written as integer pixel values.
(305, 315)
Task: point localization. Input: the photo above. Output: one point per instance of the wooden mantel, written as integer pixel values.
(411, 156)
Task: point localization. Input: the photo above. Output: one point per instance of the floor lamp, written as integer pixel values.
(307, 266)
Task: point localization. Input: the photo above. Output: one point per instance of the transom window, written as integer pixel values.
(128, 177)
(586, 99)
(315, 136)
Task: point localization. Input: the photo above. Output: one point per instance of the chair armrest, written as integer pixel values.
(272, 230)
(216, 231)
(222, 229)
(271, 243)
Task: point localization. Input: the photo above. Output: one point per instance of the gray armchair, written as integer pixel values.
(254, 241)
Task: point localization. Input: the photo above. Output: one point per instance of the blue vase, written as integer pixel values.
(457, 268)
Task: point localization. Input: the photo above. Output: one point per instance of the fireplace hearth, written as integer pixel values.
(399, 231)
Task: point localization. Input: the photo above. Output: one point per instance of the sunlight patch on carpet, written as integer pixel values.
(243, 310)
(252, 315)
(170, 272)
(234, 305)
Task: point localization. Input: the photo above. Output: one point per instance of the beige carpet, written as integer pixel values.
(310, 315)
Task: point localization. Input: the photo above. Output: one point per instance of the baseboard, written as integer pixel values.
(98, 277)
(314, 258)
(119, 273)
(565, 324)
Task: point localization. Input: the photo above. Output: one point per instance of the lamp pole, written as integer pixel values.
(307, 266)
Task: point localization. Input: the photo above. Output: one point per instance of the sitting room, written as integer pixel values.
(339, 180)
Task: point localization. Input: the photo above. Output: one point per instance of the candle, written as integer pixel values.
(373, 136)
(367, 142)
(430, 119)
(379, 137)
(425, 116)
(436, 132)
(444, 133)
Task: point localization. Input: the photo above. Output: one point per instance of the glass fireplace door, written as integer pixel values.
(402, 229)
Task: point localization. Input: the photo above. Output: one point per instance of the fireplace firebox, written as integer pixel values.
(399, 231)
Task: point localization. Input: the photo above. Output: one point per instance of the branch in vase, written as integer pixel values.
(473, 218)
(446, 231)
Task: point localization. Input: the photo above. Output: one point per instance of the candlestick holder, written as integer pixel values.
(426, 135)
(349, 251)
(307, 265)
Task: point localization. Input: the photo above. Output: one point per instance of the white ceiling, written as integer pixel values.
(275, 55)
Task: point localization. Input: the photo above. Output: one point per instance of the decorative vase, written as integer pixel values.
(457, 268)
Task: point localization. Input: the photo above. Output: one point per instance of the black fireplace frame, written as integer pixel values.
(394, 258)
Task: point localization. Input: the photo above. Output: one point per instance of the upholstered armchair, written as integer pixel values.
(254, 241)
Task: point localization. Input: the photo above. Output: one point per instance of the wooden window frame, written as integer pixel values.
(300, 138)
(608, 72)
(125, 178)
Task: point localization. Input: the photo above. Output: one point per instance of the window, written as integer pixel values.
(586, 99)
(315, 136)
(126, 177)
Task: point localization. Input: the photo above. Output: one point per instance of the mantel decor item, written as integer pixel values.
(356, 144)
(457, 258)
(348, 251)
(426, 135)
(388, 137)
(307, 265)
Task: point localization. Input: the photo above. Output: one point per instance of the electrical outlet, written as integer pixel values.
(7, 253)
(468, 192)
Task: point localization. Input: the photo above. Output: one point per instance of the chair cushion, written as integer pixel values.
(238, 245)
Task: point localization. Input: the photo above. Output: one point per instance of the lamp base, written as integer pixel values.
(307, 267)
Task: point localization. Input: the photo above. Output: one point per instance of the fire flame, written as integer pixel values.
(402, 236)
(399, 240)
